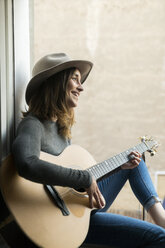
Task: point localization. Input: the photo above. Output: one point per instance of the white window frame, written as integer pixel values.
(14, 67)
(6, 77)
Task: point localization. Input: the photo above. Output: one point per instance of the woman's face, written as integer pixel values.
(74, 89)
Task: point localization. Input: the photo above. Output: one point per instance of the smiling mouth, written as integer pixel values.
(75, 94)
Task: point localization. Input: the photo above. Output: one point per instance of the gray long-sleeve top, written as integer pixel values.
(34, 136)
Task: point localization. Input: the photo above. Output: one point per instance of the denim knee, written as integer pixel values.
(151, 202)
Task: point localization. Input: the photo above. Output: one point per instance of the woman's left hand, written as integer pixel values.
(134, 162)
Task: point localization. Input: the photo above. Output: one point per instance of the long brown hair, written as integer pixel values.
(50, 102)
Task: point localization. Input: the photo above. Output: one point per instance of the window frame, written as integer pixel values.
(14, 67)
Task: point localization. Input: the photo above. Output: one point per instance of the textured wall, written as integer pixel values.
(124, 95)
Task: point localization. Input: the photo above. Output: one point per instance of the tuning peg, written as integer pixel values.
(152, 152)
(142, 138)
(145, 138)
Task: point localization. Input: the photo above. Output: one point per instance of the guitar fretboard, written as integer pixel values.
(102, 169)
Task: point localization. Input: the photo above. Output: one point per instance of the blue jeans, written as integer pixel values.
(119, 231)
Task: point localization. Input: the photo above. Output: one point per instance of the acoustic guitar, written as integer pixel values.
(58, 217)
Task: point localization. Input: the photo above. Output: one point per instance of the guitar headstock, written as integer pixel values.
(150, 143)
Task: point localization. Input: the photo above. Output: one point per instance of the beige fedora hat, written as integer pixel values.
(51, 64)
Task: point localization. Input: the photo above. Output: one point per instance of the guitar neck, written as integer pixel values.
(110, 165)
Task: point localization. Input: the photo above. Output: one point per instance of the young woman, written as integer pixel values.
(52, 94)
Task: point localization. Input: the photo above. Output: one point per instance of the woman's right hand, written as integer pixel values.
(95, 195)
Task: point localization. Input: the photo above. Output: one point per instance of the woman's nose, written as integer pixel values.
(80, 88)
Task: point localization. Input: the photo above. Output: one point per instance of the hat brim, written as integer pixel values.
(82, 65)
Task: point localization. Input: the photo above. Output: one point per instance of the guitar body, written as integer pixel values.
(37, 215)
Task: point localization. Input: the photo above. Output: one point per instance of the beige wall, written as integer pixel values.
(124, 96)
